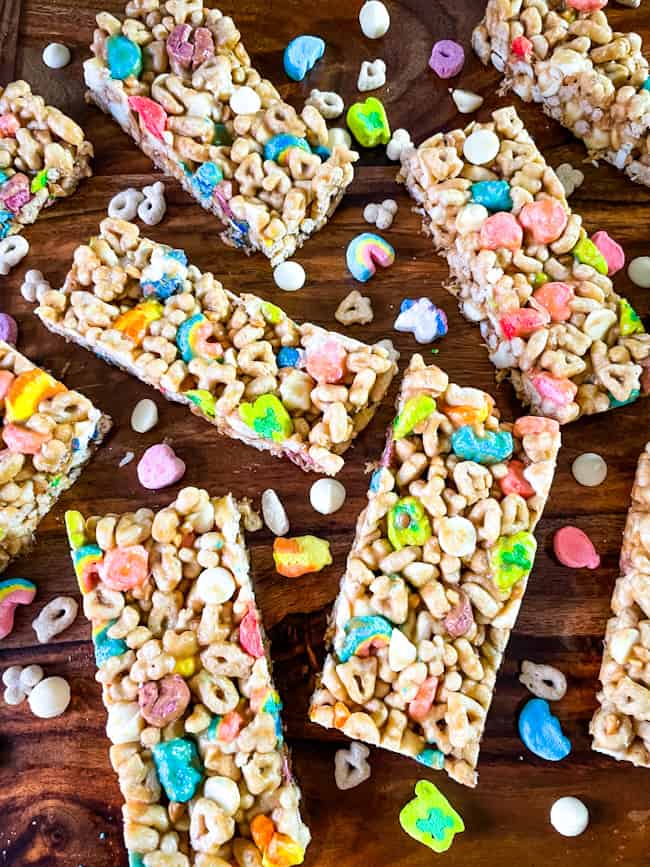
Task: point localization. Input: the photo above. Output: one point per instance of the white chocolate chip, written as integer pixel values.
(144, 416)
(374, 19)
(470, 218)
(245, 100)
(124, 722)
(56, 55)
(224, 792)
(569, 817)
(481, 147)
(327, 496)
(215, 585)
(338, 136)
(589, 469)
(50, 697)
(457, 536)
(274, 513)
(289, 276)
(639, 271)
(466, 101)
(401, 651)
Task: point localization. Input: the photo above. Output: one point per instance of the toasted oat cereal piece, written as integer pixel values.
(235, 360)
(621, 725)
(354, 309)
(589, 77)
(436, 574)
(177, 78)
(193, 714)
(43, 156)
(524, 268)
(47, 433)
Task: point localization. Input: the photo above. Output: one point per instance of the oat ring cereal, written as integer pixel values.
(54, 618)
(544, 681)
(124, 205)
(12, 251)
(153, 207)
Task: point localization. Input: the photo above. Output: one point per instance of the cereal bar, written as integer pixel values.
(177, 78)
(524, 268)
(237, 361)
(436, 574)
(593, 80)
(48, 433)
(43, 156)
(621, 725)
(193, 715)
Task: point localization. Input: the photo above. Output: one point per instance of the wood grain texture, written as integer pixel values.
(59, 801)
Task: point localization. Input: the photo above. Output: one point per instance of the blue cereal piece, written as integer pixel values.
(105, 646)
(179, 768)
(123, 56)
(646, 84)
(634, 395)
(492, 448)
(5, 223)
(493, 195)
(301, 55)
(541, 732)
(277, 148)
(362, 633)
(322, 152)
(431, 758)
(206, 178)
(288, 356)
(135, 859)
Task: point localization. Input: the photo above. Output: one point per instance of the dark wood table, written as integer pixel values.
(59, 800)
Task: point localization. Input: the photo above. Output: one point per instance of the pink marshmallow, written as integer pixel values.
(611, 250)
(160, 467)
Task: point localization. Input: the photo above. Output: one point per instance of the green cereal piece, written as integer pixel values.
(368, 122)
(588, 253)
(430, 819)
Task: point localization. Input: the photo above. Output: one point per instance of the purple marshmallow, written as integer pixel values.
(447, 58)
(8, 329)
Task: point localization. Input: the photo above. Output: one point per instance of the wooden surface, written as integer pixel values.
(59, 801)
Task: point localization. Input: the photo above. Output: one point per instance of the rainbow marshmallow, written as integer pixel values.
(86, 559)
(364, 633)
(13, 592)
(365, 252)
(193, 339)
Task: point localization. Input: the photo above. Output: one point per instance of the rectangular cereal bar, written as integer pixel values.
(524, 268)
(237, 361)
(177, 78)
(621, 725)
(43, 156)
(436, 574)
(48, 433)
(591, 79)
(193, 715)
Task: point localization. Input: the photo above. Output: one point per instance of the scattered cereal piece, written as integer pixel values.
(589, 469)
(421, 318)
(368, 122)
(466, 101)
(245, 100)
(153, 207)
(430, 819)
(447, 58)
(124, 205)
(20, 682)
(639, 271)
(144, 416)
(289, 276)
(372, 75)
(351, 766)
(611, 250)
(400, 140)
(54, 618)
(126, 459)
(541, 732)
(13, 592)
(365, 252)
(544, 681)
(160, 467)
(8, 329)
(574, 549)
(569, 177)
(275, 516)
(374, 19)
(481, 147)
(50, 697)
(300, 555)
(569, 816)
(354, 309)
(327, 496)
(34, 286)
(12, 251)
(337, 136)
(301, 55)
(328, 103)
(381, 215)
(250, 516)
(56, 55)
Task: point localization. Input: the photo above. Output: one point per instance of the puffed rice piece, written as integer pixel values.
(59, 431)
(381, 215)
(34, 286)
(354, 309)
(177, 662)
(400, 141)
(570, 178)
(416, 635)
(621, 726)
